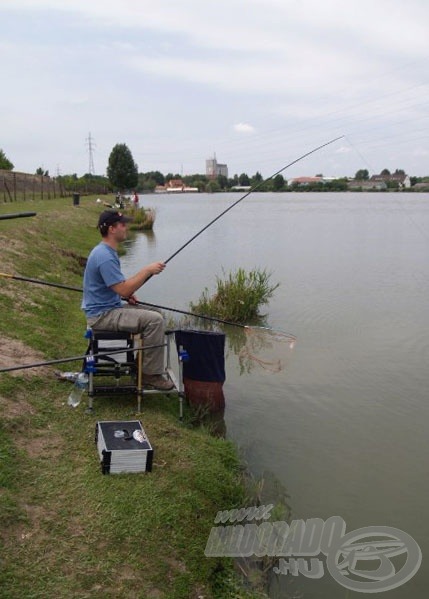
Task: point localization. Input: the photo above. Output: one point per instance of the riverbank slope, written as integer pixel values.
(67, 530)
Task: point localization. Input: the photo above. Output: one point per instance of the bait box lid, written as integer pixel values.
(123, 447)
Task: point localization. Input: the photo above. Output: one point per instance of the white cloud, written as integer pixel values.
(343, 150)
(244, 128)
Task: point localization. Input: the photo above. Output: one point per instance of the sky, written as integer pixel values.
(257, 83)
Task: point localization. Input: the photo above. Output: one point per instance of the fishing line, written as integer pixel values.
(400, 205)
(396, 201)
(359, 154)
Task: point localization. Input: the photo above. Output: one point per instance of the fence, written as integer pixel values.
(23, 186)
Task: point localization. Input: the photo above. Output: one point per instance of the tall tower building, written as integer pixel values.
(213, 168)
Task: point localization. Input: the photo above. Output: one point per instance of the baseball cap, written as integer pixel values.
(110, 217)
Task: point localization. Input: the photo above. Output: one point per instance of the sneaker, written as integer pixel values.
(157, 381)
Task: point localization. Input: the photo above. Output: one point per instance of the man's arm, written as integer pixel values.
(129, 286)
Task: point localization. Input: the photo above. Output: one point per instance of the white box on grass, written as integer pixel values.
(123, 447)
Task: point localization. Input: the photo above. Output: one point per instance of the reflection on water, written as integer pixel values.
(259, 347)
(140, 241)
(150, 238)
(258, 570)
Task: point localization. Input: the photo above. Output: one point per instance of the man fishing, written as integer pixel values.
(103, 287)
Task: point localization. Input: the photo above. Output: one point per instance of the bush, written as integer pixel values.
(238, 297)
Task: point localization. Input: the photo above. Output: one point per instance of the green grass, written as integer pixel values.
(66, 530)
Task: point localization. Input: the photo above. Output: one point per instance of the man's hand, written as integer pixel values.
(156, 267)
(129, 286)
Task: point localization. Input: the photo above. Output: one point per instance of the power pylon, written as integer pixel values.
(91, 145)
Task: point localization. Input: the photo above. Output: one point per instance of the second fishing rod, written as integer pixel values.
(149, 305)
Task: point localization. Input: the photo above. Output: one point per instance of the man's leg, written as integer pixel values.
(135, 319)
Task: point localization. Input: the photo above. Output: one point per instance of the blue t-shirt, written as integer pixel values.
(102, 270)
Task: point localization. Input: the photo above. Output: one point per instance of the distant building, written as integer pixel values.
(302, 181)
(175, 186)
(241, 188)
(214, 169)
(381, 182)
(402, 180)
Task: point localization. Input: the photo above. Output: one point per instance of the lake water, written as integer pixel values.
(343, 427)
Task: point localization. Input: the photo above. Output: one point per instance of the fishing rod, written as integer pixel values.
(17, 215)
(211, 318)
(76, 358)
(251, 190)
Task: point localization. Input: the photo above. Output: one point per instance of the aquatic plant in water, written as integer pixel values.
(238, 297)
(143, 218)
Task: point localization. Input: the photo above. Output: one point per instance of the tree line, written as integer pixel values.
(123, 175)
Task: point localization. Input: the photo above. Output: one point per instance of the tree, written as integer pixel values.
(147, 185)
(148, 181)
(5, 163)
(195, 180)
(385, 172)
(243, 179)
(278, 182)
(257, 179)
(200, 183)
(156, 176)
(223, 181)
(122, 170)
(212, 186)
(362, 175)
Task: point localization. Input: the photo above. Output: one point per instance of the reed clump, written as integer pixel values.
(143, 218)
(238, 297)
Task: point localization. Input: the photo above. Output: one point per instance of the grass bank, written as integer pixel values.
(66, 530)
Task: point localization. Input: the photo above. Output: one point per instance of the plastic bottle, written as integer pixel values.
(79, 387)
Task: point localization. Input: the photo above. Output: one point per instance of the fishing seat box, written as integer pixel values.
(119, 448)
